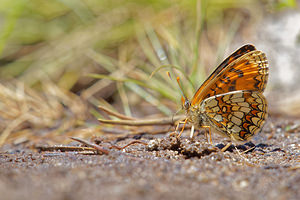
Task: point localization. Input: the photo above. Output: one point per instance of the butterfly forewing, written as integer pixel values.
(235, 55)
(246, 69)
(239, 114)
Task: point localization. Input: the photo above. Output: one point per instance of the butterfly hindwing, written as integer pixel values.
(239, 115)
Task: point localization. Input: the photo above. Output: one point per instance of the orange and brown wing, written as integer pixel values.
(246, 69)
(238, 115)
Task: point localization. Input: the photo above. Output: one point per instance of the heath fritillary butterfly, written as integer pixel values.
(231, 100)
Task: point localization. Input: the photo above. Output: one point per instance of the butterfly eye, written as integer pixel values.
(185, 103)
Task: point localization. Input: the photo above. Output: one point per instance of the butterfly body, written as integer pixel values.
(231, 100)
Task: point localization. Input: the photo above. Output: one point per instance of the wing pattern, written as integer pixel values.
(239, 115)
(231, 99)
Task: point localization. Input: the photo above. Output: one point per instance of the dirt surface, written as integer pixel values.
(167, 168)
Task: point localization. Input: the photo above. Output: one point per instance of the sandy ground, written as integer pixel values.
(165, 169)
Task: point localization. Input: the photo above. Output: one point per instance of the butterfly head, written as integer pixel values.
(192, 112)
(185, 103)
(184, 100)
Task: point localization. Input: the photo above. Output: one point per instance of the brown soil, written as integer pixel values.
(167, 168)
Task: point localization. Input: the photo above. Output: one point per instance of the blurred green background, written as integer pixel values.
(57, 58)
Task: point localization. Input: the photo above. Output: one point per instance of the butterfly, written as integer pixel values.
(231, 100)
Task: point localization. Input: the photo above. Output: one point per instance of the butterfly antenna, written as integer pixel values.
(169, 75)
(181, 89)
(184, 99)
(178, 81)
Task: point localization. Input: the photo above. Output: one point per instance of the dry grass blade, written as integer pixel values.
(11, 126)
(24, 108)
(64, 148)
(145, 122)
(95, 146)
(129, 144)
(112, 113)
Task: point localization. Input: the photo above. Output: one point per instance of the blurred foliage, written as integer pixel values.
(282, 4)
(107, 51)
(123, 41)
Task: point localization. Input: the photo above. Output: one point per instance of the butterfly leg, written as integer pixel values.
(226, 147)
(209, 132)
(192, 132)
(182, 122)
